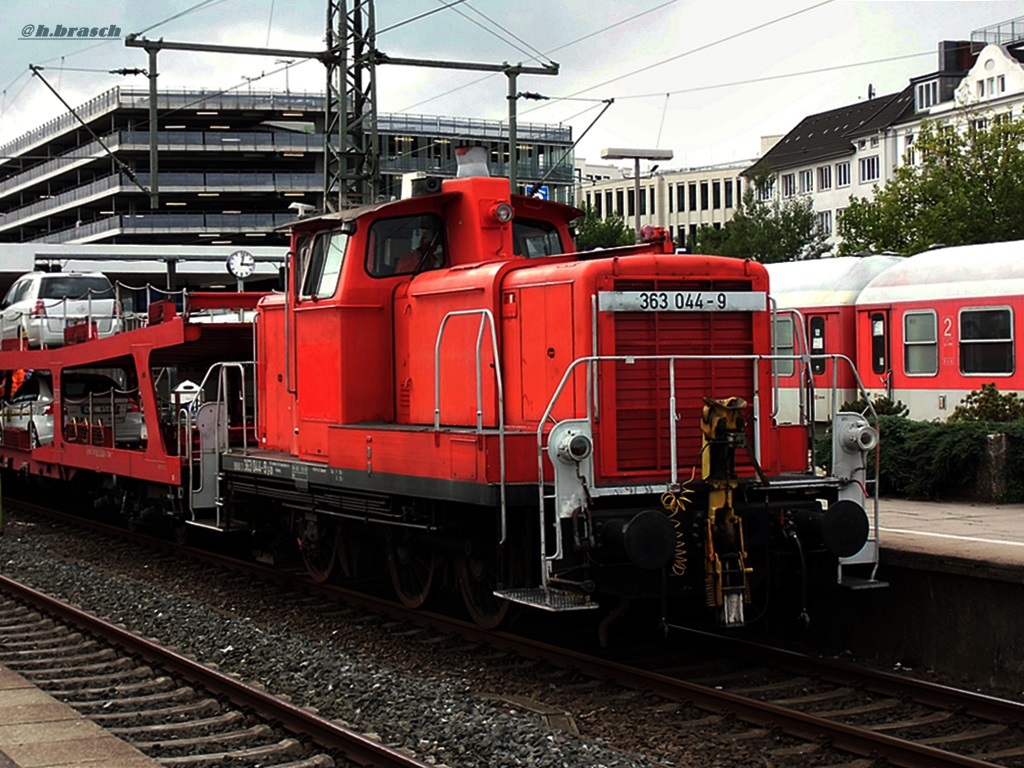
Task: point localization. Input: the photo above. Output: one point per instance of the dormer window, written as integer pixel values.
(927, 95)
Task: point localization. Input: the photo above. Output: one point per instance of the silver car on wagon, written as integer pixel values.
(40, 305)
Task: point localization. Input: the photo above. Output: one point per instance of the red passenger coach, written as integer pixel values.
(940, 324)
(817, 317)
(446, 387)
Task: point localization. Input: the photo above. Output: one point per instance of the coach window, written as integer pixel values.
(816, 332)
(784, 345)
(879, 344)
(920, 343)
(986, 341)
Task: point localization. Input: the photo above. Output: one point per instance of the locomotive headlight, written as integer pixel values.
(574, 447)
(502, 213)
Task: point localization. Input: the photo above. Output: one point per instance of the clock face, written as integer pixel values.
(241, 264)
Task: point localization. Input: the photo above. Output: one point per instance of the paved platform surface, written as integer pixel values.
(988, 535)
(984, 541)
(37, 731)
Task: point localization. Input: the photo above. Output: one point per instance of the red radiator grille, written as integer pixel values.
(634, 432)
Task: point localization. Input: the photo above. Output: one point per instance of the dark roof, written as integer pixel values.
(831, 134)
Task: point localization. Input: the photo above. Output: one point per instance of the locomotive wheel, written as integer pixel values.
(412, 569)
(319, 548)
(477, 581)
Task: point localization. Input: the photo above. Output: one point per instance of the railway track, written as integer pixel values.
(169, 707)
(803, 708)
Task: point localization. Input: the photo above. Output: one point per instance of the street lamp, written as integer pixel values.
(289, 62)
(636, 155)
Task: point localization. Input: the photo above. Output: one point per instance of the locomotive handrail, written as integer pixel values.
(672, 360)
(486, 319)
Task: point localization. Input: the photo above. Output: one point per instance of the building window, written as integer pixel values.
(728, 193)
(716, 195)
(824, 177)
(670, 200)
(986, 341)
(874, 141)
(650, 205)
(693, 196)
(597, 203)
(806, 182)
(839, 215)
(920, 343)
(825, 222)
(681, 198)
(869, 169)
(643, 202)
(609, 210)
(767, 190)
(843, 174)
(620, 202)
(784, 345)
(927, 94)
(704, 203)
(1002, 83)
(631, 203)
(981, 89)
(909, 156)
(788, 185)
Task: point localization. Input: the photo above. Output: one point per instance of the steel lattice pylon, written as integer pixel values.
(351, 162)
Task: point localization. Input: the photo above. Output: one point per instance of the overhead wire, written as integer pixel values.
(699, 48)
(769, 78)
(539, 54)
(553, 50)
(423, 15)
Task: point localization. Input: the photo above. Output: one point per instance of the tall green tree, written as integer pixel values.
(594, 232)
(769, 230)
(966, 187)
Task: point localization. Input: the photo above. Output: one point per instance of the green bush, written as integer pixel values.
(933, 460)
(884, 406)
(988, 404)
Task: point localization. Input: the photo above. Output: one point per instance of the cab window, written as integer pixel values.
(322, 265)
(532, 238)
(405, 245)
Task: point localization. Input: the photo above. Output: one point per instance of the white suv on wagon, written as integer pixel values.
(40, 305)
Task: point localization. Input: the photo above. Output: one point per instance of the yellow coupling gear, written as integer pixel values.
(725, 570)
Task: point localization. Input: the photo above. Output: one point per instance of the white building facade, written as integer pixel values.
(680, 201)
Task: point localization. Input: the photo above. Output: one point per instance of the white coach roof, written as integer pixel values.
(964, 271)
(824, 282)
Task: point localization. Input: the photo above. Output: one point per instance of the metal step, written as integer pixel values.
(855, 583)
(554, 600)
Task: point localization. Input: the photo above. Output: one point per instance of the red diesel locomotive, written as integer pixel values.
(446, 386)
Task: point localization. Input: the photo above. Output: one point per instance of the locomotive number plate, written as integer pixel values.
(681, 301)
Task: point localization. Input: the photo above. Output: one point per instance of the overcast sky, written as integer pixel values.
(703, 78)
